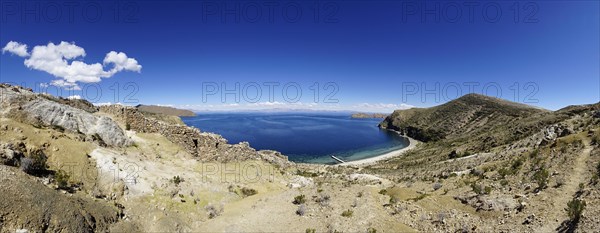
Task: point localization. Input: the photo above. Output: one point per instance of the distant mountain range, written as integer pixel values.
(361, 115)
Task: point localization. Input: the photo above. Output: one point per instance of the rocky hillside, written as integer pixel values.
(514, 168)
(164, 110)
(468, 115)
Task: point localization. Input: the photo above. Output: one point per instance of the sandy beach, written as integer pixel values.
(367, 161)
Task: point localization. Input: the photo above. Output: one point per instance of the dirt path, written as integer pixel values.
(567, 191)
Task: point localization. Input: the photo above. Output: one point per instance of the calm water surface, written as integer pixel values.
(303, 137)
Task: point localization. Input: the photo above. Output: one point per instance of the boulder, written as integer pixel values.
(498, 203)
(552, 132)
(11, 154)
(300, 181)
(26, 106)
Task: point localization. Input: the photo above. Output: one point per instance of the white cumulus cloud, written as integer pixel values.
(121, 62)
(59, 61)
(65, 85)
(384, 106)
(16, 48)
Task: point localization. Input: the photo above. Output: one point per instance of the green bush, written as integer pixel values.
(300, 199)
(62, 179)
(371, 230)
(541, 178)
(310, 230)
(246, 192)
(534, 153)
(487, 189)
(306, 173)
(480, 190)
(516, 165)
(476, 188)
(575, 208)
(347, 213)
(394, 200)
(177, 180)
(383, 191)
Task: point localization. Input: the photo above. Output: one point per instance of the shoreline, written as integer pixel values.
(368, 161)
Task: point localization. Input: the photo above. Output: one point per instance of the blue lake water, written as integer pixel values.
(303, 137)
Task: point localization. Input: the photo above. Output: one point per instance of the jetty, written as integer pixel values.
(337, 159)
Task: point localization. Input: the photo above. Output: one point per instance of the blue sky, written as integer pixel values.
(361, 55)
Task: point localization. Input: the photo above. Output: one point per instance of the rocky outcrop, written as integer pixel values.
(206, 146)
(26, 106)
(490, 203)
(76, 103)
(11, 153)
(551, 133)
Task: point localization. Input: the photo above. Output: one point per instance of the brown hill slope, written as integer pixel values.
(28, 204)
(469, 114)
